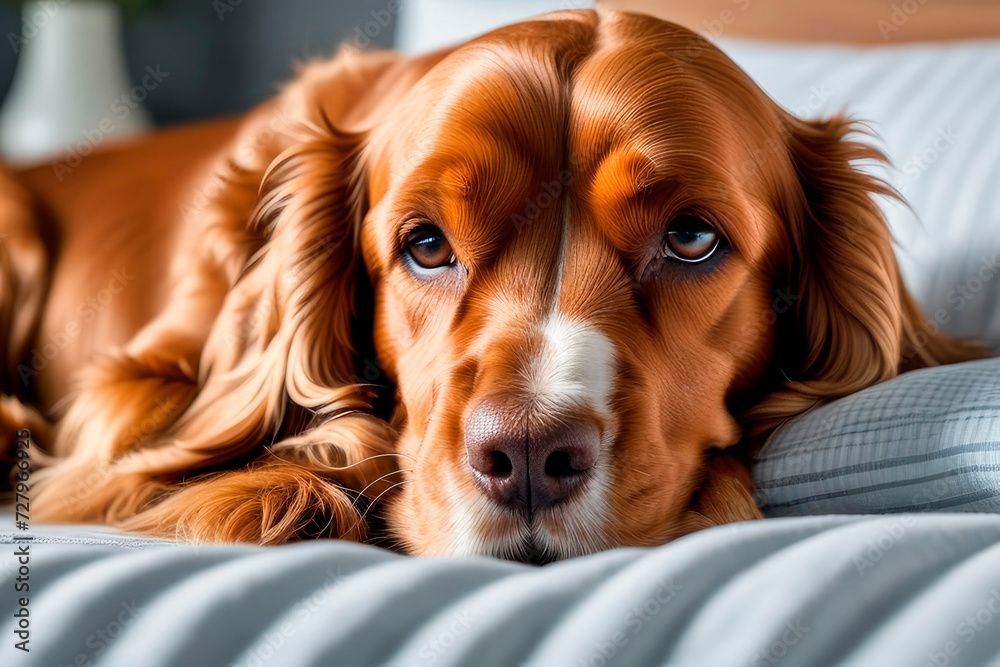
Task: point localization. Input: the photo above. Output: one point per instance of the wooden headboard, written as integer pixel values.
(852, 21)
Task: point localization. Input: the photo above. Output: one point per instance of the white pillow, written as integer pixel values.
(928, 440)
(936, 109)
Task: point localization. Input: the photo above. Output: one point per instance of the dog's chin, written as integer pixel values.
(533, 549)
(464, 523)
(556, 533)
(527, 546)
(537, 546)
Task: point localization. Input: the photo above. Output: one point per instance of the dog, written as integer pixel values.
(531, 297)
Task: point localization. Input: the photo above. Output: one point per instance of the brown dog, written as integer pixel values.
(597, 254)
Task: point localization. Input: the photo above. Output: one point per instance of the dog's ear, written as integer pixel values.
(279, 355)
(286, 330)
(854, 323)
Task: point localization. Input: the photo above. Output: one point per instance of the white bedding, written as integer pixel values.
(860, 591)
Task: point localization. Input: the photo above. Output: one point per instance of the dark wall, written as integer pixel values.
(218, 61)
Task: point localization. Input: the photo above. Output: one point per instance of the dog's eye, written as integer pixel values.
(690, 239)
(429, 248)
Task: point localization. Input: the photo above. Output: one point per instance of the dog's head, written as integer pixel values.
(600, 256)
(574, 274)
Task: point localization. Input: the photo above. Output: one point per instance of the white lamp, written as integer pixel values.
(71, 91)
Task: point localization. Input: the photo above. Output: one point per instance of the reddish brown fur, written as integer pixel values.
(214, 397)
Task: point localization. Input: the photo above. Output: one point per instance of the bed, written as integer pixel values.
(864, 591)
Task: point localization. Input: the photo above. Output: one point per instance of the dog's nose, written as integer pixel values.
(527, 469)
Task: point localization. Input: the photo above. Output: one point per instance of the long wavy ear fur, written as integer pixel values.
(255, 432)
(855, 323)
(282, 341)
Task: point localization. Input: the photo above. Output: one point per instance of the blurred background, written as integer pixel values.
(221, 57)
(213, 57)
(90, 70)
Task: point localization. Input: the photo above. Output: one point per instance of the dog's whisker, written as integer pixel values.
(374, 502)
(388, 474)
(323, 466)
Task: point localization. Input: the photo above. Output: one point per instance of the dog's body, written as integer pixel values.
(114, 219)
(596, 322)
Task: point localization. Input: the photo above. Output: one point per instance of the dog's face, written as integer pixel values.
(572, 247)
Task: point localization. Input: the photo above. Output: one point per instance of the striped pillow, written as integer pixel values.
(928, 440)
